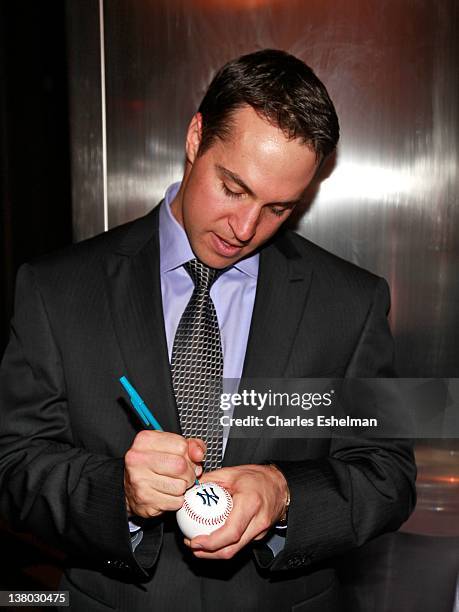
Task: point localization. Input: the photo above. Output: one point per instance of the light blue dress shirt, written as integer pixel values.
(233, 295)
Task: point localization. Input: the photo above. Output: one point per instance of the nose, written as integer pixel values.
(243, 222)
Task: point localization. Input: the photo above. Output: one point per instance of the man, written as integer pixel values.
(74, 467)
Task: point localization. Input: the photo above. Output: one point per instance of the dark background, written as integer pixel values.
(35, 204)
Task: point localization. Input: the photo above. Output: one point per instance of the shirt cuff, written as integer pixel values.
(136, 539)
(276, 542)
(134, 525)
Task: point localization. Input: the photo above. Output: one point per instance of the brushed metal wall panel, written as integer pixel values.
(391, 68)
(83, 35)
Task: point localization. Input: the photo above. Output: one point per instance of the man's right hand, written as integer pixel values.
(158, 469)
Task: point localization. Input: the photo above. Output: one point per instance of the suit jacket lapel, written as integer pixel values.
(283, 283)
(134, 290)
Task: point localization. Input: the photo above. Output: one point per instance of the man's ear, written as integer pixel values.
(193, 137)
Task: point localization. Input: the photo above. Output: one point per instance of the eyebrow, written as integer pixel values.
(237, 179)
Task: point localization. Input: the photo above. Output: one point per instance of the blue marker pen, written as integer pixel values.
(141, 409)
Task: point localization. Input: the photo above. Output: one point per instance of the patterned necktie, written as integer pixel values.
(197, 366)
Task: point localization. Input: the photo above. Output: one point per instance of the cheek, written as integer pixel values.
(203, 182)
(205, 205)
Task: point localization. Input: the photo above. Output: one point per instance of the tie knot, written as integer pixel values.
(203, 276)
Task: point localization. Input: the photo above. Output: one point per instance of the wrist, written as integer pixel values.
(284, 495)
(126, 501)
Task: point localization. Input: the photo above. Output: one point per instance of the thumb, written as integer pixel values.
(220, 476)
(196, 449)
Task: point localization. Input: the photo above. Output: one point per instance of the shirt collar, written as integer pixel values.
(175, 249)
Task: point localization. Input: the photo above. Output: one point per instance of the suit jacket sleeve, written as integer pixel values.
(72, 498)
(364, 487)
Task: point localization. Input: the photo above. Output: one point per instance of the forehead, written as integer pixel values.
(273, 166)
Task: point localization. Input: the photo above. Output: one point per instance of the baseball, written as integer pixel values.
(206, 508)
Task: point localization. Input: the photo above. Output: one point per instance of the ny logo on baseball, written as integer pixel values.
(205, 509)
(208, 498)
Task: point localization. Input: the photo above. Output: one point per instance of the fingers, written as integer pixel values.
(241, 527)
(160, 441)
(227, 552)
(158, 470)
(224, 476)
(163, 472)
(257, 494)
(149, 502)
(162, 494)
(162, 463)
(226, 545)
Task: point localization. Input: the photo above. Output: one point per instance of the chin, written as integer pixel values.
(218, 262)
(214, 260)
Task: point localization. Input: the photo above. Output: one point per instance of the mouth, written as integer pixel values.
(224, 248)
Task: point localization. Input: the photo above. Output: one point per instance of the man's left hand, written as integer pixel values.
(259, 494)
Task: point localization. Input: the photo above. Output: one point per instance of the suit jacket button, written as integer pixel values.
(121, 565)
(116, 563)
(294, 561)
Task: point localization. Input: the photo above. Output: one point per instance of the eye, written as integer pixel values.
(229, 193)
(277, 211)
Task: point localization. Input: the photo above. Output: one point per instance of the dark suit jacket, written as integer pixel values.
(92, 313)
